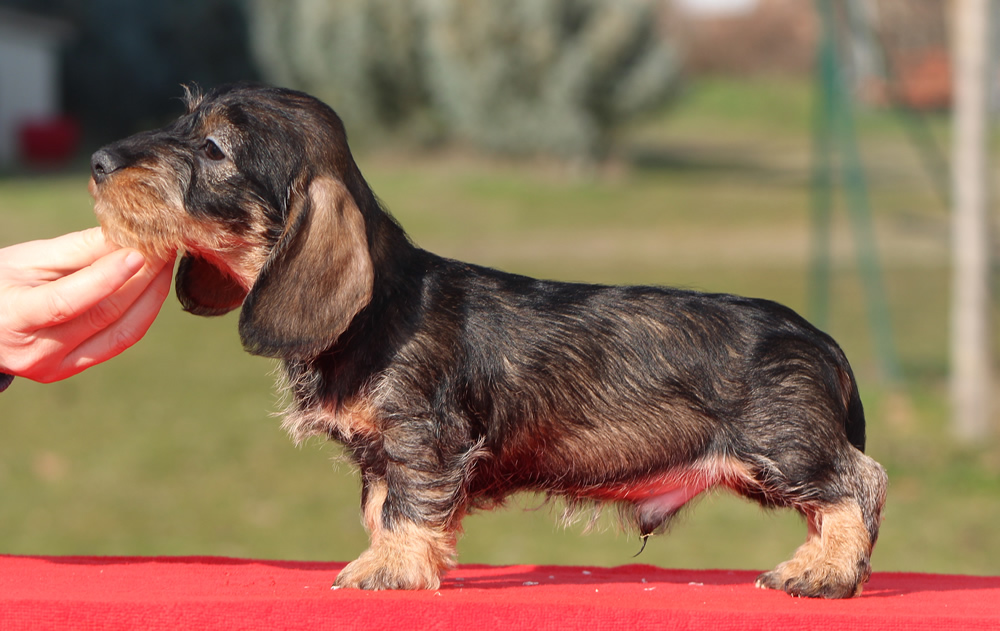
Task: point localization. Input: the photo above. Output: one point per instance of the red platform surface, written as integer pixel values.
(109, 593)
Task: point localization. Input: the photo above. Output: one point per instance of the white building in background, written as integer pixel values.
(29, 74)
(717, 7)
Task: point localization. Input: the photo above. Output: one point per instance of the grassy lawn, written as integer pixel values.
(172, 448)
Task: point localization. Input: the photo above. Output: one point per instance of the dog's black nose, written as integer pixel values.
(103, 163)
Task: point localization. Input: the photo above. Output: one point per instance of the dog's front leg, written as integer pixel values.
(413, 532)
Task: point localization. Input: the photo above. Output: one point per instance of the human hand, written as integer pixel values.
(74, 301)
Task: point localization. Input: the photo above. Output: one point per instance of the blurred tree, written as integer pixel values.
(360, 56)
(519, 76)
(553, 76)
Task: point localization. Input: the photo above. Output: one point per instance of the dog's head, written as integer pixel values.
(257, 186)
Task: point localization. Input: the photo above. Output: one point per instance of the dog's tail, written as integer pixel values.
(854, 421)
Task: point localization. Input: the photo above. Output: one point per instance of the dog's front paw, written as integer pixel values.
(371, 572)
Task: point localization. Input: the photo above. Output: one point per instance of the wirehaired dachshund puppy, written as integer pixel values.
(453, 386)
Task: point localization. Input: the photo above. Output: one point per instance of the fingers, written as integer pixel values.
(106, 330)
(113, 308)
(137, 307)
(79, 249)
(70, 296)
(47, 259)
(74, 301)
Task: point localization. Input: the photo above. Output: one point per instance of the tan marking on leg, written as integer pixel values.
(833, 562)
(407, 556)
(372, 516)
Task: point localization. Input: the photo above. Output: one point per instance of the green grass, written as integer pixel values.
(171, 448)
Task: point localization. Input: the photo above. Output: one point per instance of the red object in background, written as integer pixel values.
(48, 141)
(209, 593)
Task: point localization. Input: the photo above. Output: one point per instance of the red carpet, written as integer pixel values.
(218, 593)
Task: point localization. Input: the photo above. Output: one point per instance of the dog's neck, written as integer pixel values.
(390, 248)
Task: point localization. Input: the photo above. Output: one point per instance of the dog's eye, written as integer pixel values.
(212, 151)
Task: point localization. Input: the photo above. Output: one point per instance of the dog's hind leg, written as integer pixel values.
(834, 562)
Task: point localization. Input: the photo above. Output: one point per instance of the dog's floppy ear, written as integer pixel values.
(205, 290)
(316, 279)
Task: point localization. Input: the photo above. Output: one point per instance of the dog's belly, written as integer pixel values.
(664, 496)
(665, 493)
